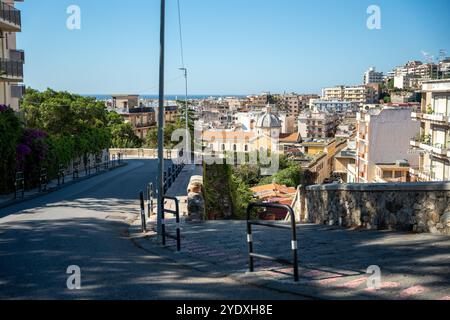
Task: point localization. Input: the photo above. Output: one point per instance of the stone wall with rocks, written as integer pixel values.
(196, 199)
(417, 207)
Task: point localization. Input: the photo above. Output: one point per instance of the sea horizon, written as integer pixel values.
(168, 96)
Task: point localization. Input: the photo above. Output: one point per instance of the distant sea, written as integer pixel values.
(167, 97)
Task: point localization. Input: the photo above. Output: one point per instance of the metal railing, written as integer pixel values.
(19, 185)
(61, 175)
(10, 14)
(292, 227)
(175, 212)
(43, 180)
(10, 68)
(171, 175)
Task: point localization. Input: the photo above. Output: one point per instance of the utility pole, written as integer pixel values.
(161, 121)
(186, 110)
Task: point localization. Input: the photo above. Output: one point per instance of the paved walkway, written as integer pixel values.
(333, 262)
(9, 199)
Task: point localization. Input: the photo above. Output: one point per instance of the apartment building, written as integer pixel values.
(259, 101)
(417, 69)
(344, 165)
(334, 106)
(333, 93)
(292, 104)
(372, 76)
(359, 94)
(124, 101)
(382, 138)
(433, 142)
(233, 103)
(315, 124)
(444, 68)
(143, 119)
(11, 59)
(317, 156)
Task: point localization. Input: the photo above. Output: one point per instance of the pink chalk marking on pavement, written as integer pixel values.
(328, 281)
(314, 273)
(413, 291)
(385, 285)
(355, 283)
(285, 270)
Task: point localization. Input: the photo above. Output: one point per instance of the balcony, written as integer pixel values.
(437, 117)
(17, 91)
(439, 149)
(423, 175)
(425, 143)
(11, 71)
(145, 125)
(10, 18)
(17, 55)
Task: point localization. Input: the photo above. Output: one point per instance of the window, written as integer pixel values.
(387, 174)
(234, 147)
(246, 148)
(223, 147)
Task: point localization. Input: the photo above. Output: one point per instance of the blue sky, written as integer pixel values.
(231, 46)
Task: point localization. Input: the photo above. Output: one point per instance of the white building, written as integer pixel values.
(334, 106)
(360, 94)
(372, 76)
(383, 137)
(433, 142)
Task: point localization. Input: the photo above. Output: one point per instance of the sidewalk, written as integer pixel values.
(333, 262)
(8, 200)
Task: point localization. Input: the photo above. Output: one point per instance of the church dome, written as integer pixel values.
(268, 120)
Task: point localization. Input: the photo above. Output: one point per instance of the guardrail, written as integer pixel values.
(171, 175)
(292, 227)
(43, 180)
(175, 212)
(60, 179)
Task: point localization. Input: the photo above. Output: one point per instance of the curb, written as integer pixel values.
(57, 188)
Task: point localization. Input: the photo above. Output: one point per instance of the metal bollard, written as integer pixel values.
(150, 199)
(143, 220)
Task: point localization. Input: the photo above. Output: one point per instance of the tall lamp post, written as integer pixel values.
(161, 121)
(186, 108)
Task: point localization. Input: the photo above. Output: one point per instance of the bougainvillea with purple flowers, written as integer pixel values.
(3, 107)
(32, 152)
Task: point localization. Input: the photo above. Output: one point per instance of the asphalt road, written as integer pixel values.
(86, 225)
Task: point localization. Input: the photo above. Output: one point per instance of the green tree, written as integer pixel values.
(123, 136)
(151, 141)
(10, 134)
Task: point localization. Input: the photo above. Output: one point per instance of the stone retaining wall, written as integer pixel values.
(418, 207)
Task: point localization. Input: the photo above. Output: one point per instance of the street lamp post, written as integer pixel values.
(161, 121)
(186, 109)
